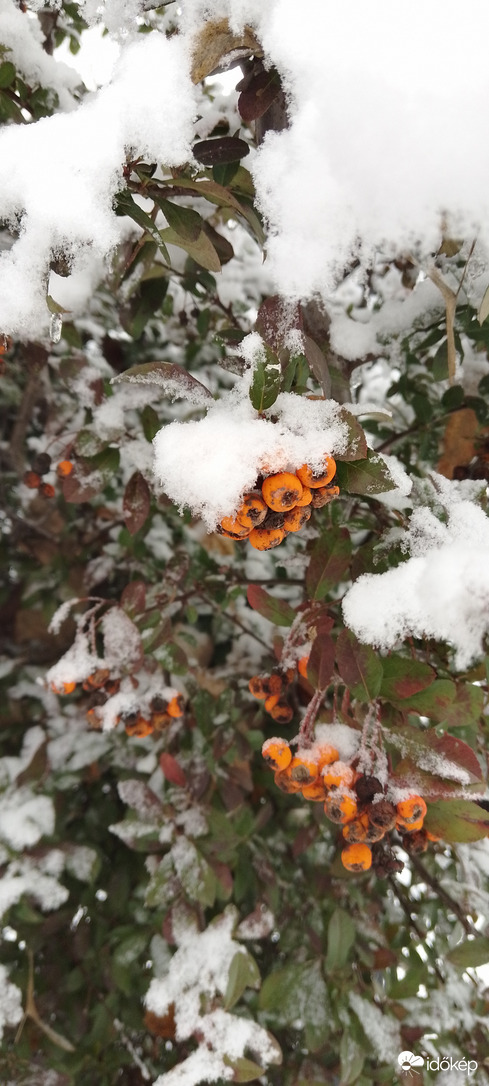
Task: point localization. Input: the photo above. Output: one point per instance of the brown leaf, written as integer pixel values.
(136, 502)
(459, 439)
(216, 45)
(172, 770)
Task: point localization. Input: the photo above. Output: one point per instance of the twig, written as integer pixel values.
(31, 1011)
(445, 896)
(406, 908)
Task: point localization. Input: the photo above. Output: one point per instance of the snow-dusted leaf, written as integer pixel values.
(136, 503)
(176, 382)
(357, 442)
(265, 385)
(244, 1070)
(368, 477)
(133, 599)
(352, 1059)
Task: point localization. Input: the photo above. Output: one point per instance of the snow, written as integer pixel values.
(10, 1002)
(209, 464)
(23, 37)
(197, 975)
(441, 591)
(25, 818)
(382, 1032)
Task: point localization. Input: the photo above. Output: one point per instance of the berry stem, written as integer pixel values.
(305, 735)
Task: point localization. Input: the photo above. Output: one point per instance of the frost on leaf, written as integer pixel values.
(196, 979)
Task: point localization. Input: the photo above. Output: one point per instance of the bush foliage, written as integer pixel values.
(147, 850)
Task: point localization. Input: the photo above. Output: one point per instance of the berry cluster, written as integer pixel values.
(41, 465)
(279, 504)
(158, 714)
(352, 800)
(272, 690)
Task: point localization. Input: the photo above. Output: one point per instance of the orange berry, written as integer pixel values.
(338, 775)
(304, 770)
(282, 712)
(315, 791)
(64, 468)
(314, 479)
(258, 686)
(275, 683)
(409, 827)
(271, 701)
(411, 809)
(382, 814)
(252, 511)
(340, 807)
(296, 518)
(140, 727)
(306, 497)
(302, 666)
(284, 781)
(356, 857)
(432, 836)
(327, 755)
(47, 490)
(63, 688)
(357, 829)
(277, 753)
(282, 491)
(31, 479)
(97, 679)
(264, 539)
(323, 496)
(175, 706)
(231, 526)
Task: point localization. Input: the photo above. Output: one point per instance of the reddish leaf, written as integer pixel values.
(357, 442)
(318, 365)
(259, 94)
(329, 562)
(133, 599)
(370, 476)
(136, 502)
(404, 677)
(275, 319)
(275, 610)
(321, 662)
(359, 667)
(175, 381)
(457, 820)
(172, 770)
(458, 752)
(82, 485)
(467, 708)
(220, 149)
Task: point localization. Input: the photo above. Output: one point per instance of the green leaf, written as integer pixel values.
(55, 307)
(298, 991)
(124, 204)
(275, 610)
(367, 477)
(150, 421)
(467, 708)
(266, 382)
(483, 312)
(457, 820)
(186, 222)
(329, 562)
(201, 250)
(352, 1059)
(434, 702)
(7, 73)
(403, 677)
(243, 973)
(341, 936)
(359, 667)
(470, 954)
(244, 1070)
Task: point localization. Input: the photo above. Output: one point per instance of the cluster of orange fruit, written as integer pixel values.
(271, 689)
(159, 714)
(279, 504)
(352, 800)
(41, 465)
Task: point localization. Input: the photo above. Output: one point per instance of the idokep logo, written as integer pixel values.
(409, 1062)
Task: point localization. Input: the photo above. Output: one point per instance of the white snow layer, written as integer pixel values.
(376, 152)
(441, 591)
